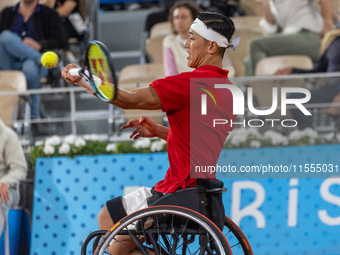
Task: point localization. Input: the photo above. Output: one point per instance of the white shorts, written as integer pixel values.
(136, 200)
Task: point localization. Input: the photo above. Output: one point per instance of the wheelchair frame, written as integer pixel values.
(173, 229)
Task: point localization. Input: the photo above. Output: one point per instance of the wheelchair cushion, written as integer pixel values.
(187, 198)
(196, 199)
(209, 184)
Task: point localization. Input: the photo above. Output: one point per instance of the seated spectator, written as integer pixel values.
(328, 62)
(291, 28)
(66, 8)
(27, 29)
(208, 5)
(181, 16)
(157, 16)
(13, 168)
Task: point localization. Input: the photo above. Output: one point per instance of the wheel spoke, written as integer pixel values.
(169, 230)
(184, 228)
(166, 242)
(157, 223)
(173, 237)
(132, 249)
(163, 247)
(143, 230)
(227, 233)
(137, 242)
(235, 245)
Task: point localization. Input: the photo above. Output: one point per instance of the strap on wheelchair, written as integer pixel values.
(202, 186)
(210, 200)
(116, 209)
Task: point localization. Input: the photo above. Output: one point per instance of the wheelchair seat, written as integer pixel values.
(205, 198)
(173, 224)
(187, 198)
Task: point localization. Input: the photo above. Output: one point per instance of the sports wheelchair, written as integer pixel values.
(189, 221)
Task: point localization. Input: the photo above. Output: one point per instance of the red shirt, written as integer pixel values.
(182, 103)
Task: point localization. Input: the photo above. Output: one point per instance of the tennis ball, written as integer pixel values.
(49, 59)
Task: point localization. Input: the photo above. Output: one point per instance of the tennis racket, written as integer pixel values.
(98, 71)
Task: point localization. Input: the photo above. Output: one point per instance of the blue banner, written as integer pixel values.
(278, 215)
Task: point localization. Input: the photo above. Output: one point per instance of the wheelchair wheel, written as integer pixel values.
(237, 240)
(166, 230)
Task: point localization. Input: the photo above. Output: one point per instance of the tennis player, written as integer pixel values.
(198, 144)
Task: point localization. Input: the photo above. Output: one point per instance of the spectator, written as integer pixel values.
(328, 62)
(181, 16)
(157, 16)
(27, 29)
(66, 9)
(290, 27)
(208, 5)
(13, 168)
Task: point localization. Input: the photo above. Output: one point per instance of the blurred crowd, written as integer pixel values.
(29, 28)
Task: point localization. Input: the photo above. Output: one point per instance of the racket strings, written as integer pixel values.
(101, 72)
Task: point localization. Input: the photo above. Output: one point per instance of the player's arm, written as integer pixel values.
(144, 98)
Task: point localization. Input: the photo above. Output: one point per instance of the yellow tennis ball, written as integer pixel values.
(49, 59)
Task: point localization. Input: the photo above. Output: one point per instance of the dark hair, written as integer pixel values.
(219, 23)
(190, 5)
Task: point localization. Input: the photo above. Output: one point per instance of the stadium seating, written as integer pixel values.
(269, 65)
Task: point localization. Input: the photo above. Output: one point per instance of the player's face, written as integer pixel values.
(182, 19)
(197, 48)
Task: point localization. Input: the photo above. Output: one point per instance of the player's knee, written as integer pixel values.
(102, 214)
(104, 219)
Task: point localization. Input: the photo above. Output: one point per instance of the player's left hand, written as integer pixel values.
(144, 127)
(4, 193)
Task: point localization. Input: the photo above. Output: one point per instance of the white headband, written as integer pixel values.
(200, 28)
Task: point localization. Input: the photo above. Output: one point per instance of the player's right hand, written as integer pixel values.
(145, 126)
(68, 77)
(78, 80)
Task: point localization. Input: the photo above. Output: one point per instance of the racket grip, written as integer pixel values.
(74, 71)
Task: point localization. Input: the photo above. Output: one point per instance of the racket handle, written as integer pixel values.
(74, 71)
